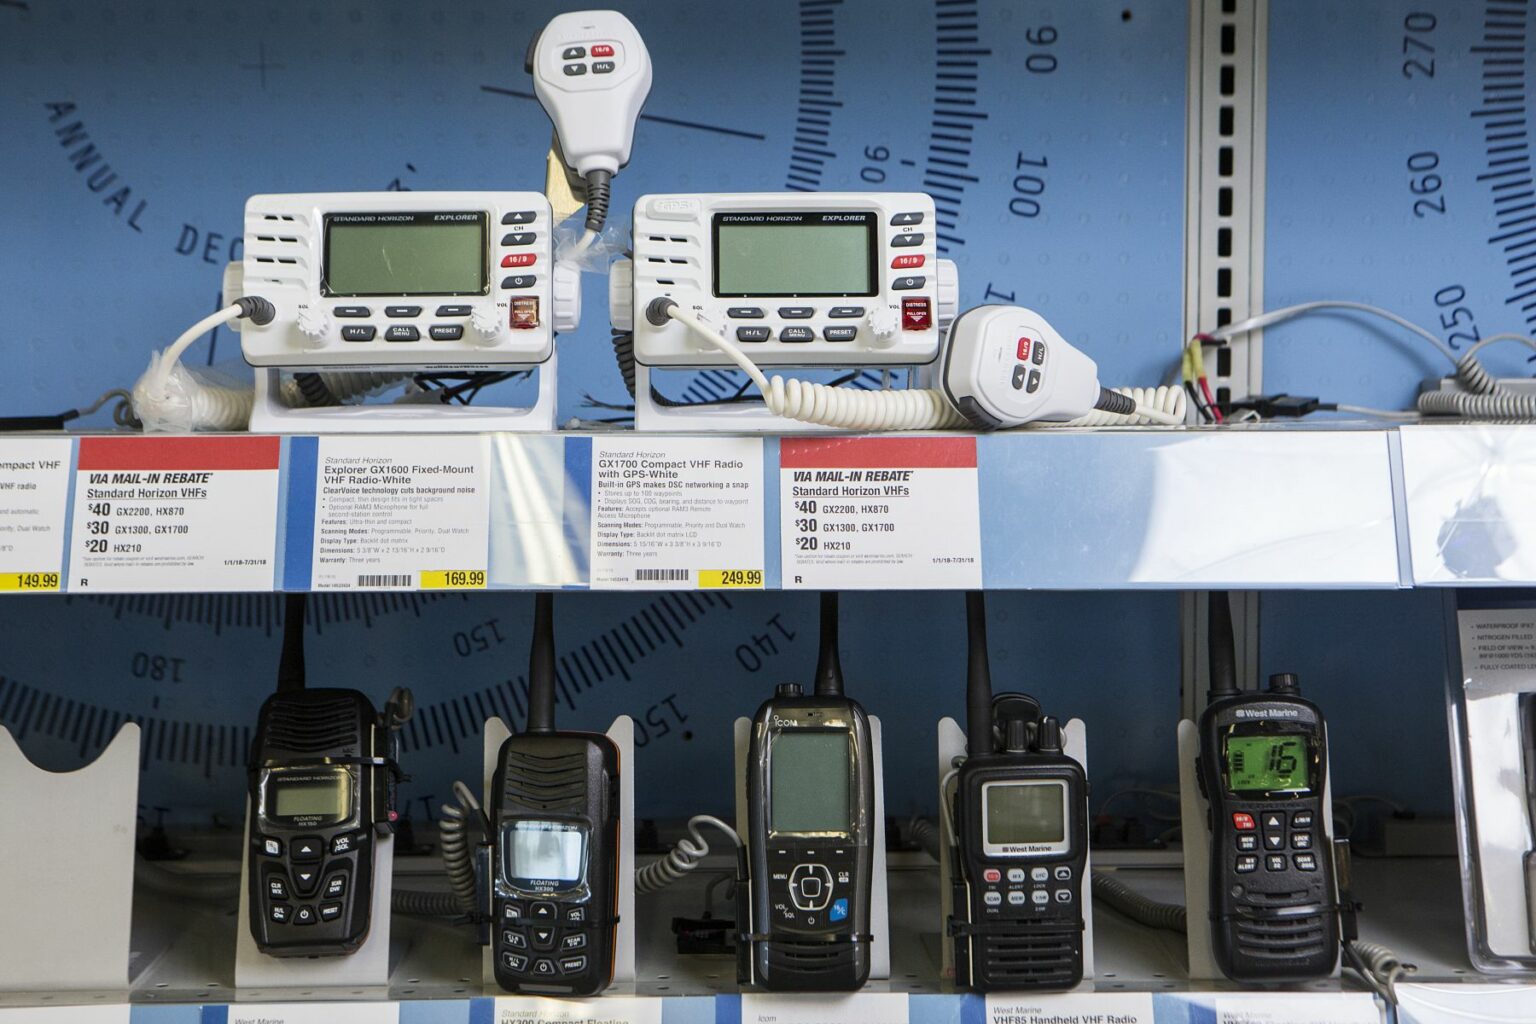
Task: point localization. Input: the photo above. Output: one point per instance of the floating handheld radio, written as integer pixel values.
(1262, 767)
(1021, 839)
(810, 828)
(555, 824)
(322, 787)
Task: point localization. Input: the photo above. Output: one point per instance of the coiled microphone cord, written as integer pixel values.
(852, 408)
(683, 857)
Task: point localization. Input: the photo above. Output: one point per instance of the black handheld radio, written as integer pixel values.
(323, 776)
(1262, 767)
(1020, 810)
(555, 821)
(810, 833)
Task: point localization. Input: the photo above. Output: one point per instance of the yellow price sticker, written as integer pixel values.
(730, 579)
(452, 579)
(29, 582)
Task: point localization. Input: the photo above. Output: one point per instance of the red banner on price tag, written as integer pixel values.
(878, 453)
(179, 452)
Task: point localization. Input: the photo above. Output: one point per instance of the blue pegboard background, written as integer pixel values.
(191, 108)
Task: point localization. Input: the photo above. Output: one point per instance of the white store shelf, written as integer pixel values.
(1295, 506)
(184, 952)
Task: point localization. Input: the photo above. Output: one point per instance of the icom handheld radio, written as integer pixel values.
(810, 828)
(1262, 767)
(1020, 837)
(323, 777)
(555, 821)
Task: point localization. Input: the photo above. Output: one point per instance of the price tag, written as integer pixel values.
(879, 512)
(672, 513)
(1075, 1007)
(609, 1010)
(174, 514)
(314, 1013)
(824, 1008)
(34, 489)
(392, 512)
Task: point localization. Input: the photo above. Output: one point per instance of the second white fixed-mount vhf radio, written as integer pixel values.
(343, 295)
(837, 280)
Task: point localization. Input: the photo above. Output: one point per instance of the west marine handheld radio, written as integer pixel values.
(322, 788)
(1020, 810)
(555, 824)
(810, 805)
(1262, 767)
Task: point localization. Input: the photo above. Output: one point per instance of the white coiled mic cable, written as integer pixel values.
(683, 857)
(1154, 406)
(856, 409)
(168, 397)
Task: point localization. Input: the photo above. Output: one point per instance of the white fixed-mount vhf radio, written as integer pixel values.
(838, 279)
(404, 282)
(828, 279)
(342, 295)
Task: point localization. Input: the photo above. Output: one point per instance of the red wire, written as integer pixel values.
(1205, 389)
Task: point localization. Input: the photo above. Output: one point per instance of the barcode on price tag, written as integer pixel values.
(384, 579)
(663, 575)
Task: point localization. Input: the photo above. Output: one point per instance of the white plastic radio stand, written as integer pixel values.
(879, 904)
(1194, 813)
(952, 746)
(622, 733)
(67, 846)
(271, 415)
